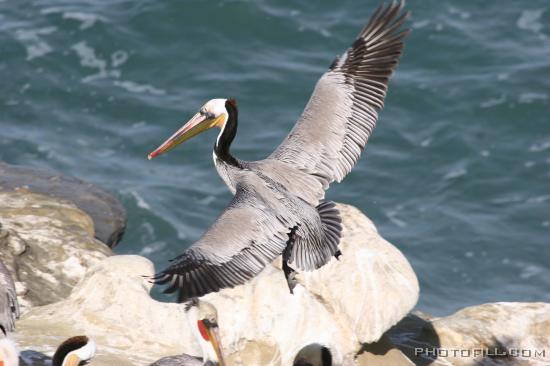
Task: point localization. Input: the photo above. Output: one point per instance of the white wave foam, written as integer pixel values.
(426, 142)
(153, 248)
(455, 173)
(140, 202)
(461, 13)
(530, 97)
(539, 199)
(87, 20)
(33, 42)
(420, 24)
(89, 59)
(493, 102)
(118, 58)
(139, 88)
(392, 215)
(530, 271)
(507, 199)
(530, 20)
(539, 146)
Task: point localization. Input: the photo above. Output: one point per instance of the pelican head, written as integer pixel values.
(203, 319)
(74, 351)
(213, 114)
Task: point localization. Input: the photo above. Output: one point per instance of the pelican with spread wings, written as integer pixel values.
(278, 206)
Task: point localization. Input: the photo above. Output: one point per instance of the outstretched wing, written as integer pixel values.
(250, 233)
(9, 307)
(329, 137)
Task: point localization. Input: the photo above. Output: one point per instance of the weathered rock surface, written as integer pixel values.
(108, 215)
(498, 328)
(371, 287)
(344, 306)
(47, 244)
(261, 322)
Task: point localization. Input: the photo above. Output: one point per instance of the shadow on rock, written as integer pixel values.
(415, 338)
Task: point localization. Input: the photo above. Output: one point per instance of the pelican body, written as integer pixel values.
(278, 206)
(203, 320)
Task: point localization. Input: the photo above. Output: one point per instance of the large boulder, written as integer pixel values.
(371, 287)
(107, 213)
(47, 244)
(261, 322)
(509, 333)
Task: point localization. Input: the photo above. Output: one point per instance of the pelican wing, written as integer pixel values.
(341, 114)
(248, 235)
(9, 307)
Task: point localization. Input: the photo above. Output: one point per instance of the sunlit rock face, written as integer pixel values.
(107, 213)
(344, 304)
(47, 244)
(344, 311)
(509, 333)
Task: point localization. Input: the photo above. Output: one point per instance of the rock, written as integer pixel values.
(261, 322)
(496, 327)
(111, 305)
(47, 244)
(382, 353)
(108, 215)
(371, 287)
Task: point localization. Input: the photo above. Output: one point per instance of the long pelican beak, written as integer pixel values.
(72, 360)
(199, 123)
(213, 335)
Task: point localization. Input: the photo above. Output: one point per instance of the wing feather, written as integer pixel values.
(247, 236)
(342, 112)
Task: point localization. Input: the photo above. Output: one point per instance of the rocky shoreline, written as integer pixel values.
(69, 282)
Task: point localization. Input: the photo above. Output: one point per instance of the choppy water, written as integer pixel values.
(457, 174)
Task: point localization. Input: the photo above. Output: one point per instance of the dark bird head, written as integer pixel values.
(203, 319)
(74, 351)
(214, 113)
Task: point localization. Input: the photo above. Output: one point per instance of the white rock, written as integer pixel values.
(371, 287)
(345, 303)
(47, 244)
(522, 328)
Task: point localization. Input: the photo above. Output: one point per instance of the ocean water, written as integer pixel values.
(457, 174)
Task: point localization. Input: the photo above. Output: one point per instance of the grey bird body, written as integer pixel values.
(278, 205)
(9, 307)
(180, 360)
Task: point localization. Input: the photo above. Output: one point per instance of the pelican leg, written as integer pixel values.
(290, 275)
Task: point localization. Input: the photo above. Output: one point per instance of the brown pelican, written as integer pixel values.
(203, 320)
(74, 351)
(278, 205)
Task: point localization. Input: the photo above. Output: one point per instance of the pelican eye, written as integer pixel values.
(210, 322)
(205, 113)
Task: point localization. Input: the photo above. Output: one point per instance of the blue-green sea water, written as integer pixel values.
(457, 174)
